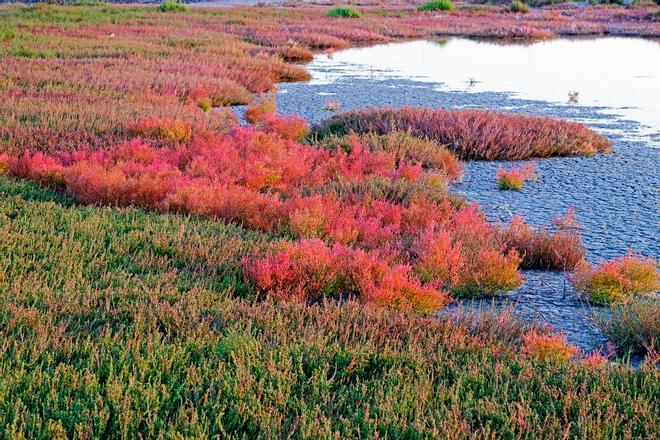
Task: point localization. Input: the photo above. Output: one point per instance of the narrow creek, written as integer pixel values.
(615, 196)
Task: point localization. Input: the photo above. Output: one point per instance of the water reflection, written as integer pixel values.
(621, 74)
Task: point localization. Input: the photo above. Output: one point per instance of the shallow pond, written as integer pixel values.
(622, 74)
(615, 195)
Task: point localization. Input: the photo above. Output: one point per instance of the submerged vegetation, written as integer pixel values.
(167, 272)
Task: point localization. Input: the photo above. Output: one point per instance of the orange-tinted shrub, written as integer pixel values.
(511, 180)
(438, 259)
(618, 280)
(288, 127)
(4, 162)
(548, 348)
(489, 272)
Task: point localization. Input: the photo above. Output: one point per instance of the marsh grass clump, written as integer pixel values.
(162, 129)
(633, 327)
(172, 6)
(204, 105)
(539, 248)
(437, 5)
(519, 7)
(474, 134)
(344, 12)
(264, 104)
(515, 178)
(617, 281)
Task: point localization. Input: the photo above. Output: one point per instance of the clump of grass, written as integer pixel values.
(633, 327)
(172, 6)
(515, 178)
(162, 129)
(519, 7)
(437, 5)
(617, 281)
(509, 180)
(204, 105)
(344, 12)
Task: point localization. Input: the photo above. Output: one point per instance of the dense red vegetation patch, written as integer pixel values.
(311, 270)
(475, 134)
(373, 202)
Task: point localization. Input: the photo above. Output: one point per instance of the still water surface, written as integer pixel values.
(620, 74)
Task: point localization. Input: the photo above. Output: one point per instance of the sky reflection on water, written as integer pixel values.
(621, 74)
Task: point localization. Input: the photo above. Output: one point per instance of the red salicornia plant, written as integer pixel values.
(475, 134)
(539, 248)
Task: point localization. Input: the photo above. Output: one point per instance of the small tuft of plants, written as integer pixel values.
(437, 5)
(541, 249)
(617, 281)
(172, 6)
(331, 106)
(515, 178)
(633, 327)
(344, 12)
(519, 7)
